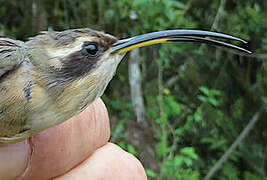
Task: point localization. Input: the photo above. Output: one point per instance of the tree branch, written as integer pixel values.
(257, 56)
(219, 15)
(2, 33)
(136, 87)
(237, 142)
(187, 7)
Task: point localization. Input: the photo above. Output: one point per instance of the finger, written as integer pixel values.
(108, 163)
(58, 149)
(13, 159)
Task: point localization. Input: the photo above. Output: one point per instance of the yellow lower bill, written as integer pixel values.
(142, 44)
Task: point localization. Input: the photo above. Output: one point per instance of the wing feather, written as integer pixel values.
(12, 53)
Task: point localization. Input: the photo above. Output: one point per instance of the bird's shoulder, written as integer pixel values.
(12, 53)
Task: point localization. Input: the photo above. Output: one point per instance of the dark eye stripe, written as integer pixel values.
(75, 65)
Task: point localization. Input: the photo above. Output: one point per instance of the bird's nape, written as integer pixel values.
(125, 45)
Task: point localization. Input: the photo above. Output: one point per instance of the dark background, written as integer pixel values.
(193, 100)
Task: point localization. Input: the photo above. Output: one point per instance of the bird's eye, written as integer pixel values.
(91, 49)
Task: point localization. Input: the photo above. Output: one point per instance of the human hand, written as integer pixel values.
(75, 149)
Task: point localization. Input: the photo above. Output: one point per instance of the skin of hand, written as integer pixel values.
(75, 149)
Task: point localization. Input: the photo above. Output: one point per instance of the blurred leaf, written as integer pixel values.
(131, 150)
(264, 99)
(213, 101)
(204, 90)
(162, 148)
(178, 161)
(190, 152)
(188, 161)
(250, 176)
(151, 173)
(162, 119)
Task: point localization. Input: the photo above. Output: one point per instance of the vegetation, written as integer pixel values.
(197, 98)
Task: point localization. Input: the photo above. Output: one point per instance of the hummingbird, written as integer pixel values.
(57, 74)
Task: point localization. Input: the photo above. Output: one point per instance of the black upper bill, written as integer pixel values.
(178, 36)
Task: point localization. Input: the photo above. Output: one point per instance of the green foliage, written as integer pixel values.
(215, 92)
(249, 176)
(174, 168)
(131, 150)
(209, 96)
(162, 148)
(151, 173)
(229, 171)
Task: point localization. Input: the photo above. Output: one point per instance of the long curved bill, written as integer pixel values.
(125, 45)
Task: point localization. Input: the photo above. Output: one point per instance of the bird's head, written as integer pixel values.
(72, 54)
